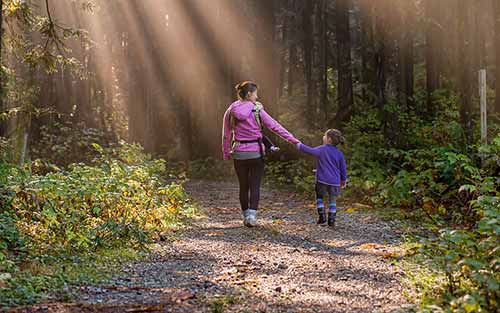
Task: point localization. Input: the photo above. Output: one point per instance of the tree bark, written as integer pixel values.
(432, 46)
(266, 65)
(344, 63)
(3, 129)
(496, 10)
(465, 58)
(324, 62)
(307, 47)
(406, 54)
(368, 78)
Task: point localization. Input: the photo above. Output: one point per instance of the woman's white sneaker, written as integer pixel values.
(250, 218)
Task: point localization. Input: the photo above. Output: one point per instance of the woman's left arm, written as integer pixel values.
(226, 135)
(273, 125)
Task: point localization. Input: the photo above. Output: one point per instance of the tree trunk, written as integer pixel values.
(266, 65)
(344, 64)
(292, 67)
(324, 62)
(368, 78)
(307, 48)
(432, 46)
(405, 51)
(283, 53)
(3, 130)
(465, 58)
(496, 10)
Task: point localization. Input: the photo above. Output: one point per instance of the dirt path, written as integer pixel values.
(288, 264)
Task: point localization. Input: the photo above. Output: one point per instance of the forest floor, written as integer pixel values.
(286, 264)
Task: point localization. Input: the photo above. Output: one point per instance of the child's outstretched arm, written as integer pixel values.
(305, 148)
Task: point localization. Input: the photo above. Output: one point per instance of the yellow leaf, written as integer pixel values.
(370, 246)
(350, 210)
(279, 222)
(247, 282)
(390, 255)
(13, 8)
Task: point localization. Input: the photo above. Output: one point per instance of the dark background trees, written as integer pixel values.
(161, 73)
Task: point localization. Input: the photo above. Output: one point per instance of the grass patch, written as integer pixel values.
(44, 279)
(220, 303)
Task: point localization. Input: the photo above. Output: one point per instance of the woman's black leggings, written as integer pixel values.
(249, 173)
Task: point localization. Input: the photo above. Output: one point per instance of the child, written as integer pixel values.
(330, 173)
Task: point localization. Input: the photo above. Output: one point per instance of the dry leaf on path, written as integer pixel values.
(215, 234)
(247, 282)
(146, 308)
(390, 255)
(371, 246)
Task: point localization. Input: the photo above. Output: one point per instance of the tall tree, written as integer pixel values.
(267, 71)
(368, 78)
(2, 126)
(406, 55)
(292, 48)
(344, 63)
(432, 48)
(381, 55)
(307, 48)
(465, 58)
(496, 15)
(324, 59)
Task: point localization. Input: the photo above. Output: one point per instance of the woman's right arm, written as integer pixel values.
(273, 125)
(226, 135)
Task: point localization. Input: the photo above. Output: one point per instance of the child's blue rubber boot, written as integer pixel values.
(331, 218)
(322, 216)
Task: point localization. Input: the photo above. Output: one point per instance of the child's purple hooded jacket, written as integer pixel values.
(330, 167)
(246, 128)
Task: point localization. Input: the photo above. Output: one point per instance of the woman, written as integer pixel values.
(241, 126)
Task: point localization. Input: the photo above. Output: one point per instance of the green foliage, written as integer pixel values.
(120, 201)
(470, 259)
(86, 207)
(439, 180)
(38, 279)
(63, 143)
(210, 168)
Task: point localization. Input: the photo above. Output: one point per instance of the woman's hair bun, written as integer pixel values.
(242, 89)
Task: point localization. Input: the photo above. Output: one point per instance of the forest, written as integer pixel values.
(110, 127)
